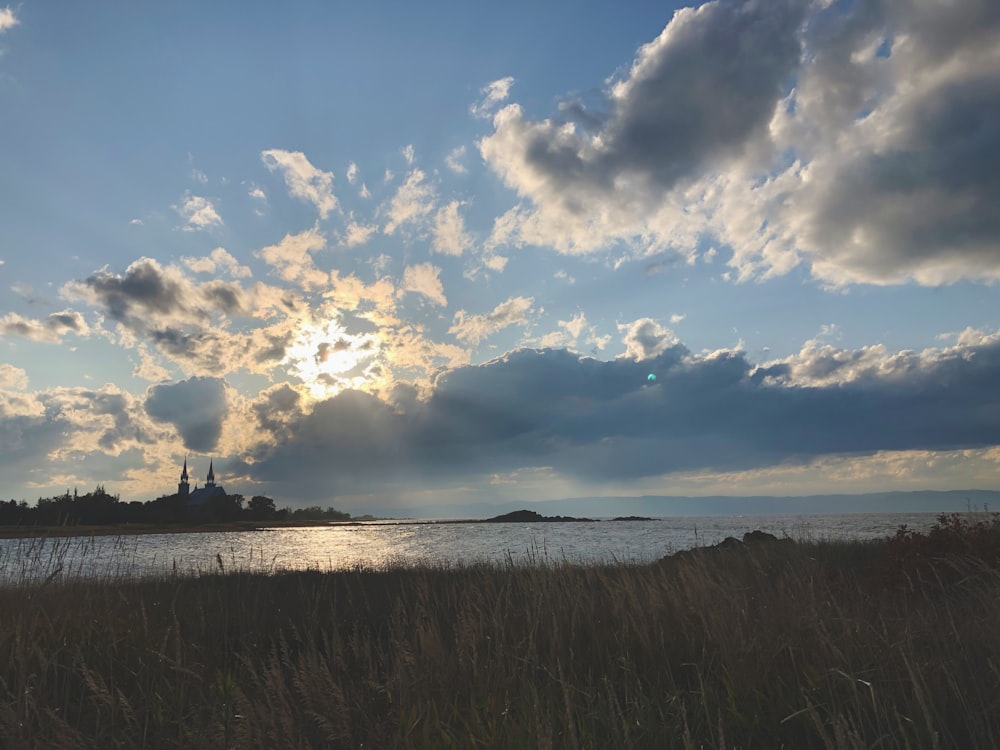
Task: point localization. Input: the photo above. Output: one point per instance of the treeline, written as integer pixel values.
(100, 508)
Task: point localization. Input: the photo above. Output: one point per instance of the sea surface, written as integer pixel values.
(386, 543)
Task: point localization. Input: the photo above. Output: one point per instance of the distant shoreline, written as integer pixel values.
(138, 529)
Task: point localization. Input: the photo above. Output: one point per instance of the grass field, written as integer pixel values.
(887, 644)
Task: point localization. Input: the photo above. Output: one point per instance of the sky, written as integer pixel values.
(391, 254)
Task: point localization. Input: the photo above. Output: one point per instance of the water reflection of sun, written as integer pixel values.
(329, 360)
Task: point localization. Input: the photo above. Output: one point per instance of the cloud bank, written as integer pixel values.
(604, 421)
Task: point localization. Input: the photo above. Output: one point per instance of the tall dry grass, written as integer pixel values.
(824, 644)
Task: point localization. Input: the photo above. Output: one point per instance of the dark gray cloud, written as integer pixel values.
(856, 138)
(705, 86)
(276, 407)
(149, 296)
(892, 122)
(143, 290)
(187, 322)
(605, 421)
(196, 408)
(699, 95)
(926, 200)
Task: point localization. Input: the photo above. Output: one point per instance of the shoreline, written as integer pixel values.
(138, 529)
(126, 529)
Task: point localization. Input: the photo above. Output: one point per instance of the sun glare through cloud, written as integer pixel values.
(328, 360)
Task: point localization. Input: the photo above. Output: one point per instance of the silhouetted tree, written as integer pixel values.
(261, 508)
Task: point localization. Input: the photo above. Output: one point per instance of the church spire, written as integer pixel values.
(210, 480)
(184, 487)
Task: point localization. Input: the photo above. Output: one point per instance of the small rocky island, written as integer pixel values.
(530, 516)
(631, 518)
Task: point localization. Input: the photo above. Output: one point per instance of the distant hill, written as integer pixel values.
(926, 501)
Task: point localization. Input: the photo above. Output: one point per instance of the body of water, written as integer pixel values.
(379, 544)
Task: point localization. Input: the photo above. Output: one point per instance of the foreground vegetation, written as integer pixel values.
(764, 644)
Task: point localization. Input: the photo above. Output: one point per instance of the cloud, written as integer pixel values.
(195, 407)
(495, 262)
(352, 173)
(218, 261)
(413, 201)
(292, 258)
(303, 180)
(493, 94)
(198, 212)
(891, 122)
(423, 278)
(357, 233)
(376, 301)
(149, 296)
(12, 378)
(276, 409)
(573, 333)
(408, 154)
(696, 96)
(7, 19)
(46, 434)
(646, 339)
(450, 237)
(50, 330)
(455, 160)
(186, 321)
(257, 193)
(472, 329)
(845, 138)
(148, 368)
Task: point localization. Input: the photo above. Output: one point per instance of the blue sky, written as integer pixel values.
(386, 254)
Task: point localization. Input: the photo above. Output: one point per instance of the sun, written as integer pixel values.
(329, 360)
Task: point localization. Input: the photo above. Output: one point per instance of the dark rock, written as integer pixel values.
(760, 537)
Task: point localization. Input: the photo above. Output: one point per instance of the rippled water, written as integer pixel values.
(385, 543)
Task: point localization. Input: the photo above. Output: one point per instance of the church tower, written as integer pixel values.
(183, 487)
(210, 480)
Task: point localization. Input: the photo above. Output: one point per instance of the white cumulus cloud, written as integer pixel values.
(198, 213)
(413, 201)
(7, 19)
(474, 328)
(450, 237)
(645, 339)
(492, 94)
(303, 180)
(424, 278)
(455, 160)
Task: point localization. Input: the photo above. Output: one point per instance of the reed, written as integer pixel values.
(827, 644)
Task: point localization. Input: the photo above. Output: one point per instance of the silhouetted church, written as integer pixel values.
(200, 495)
